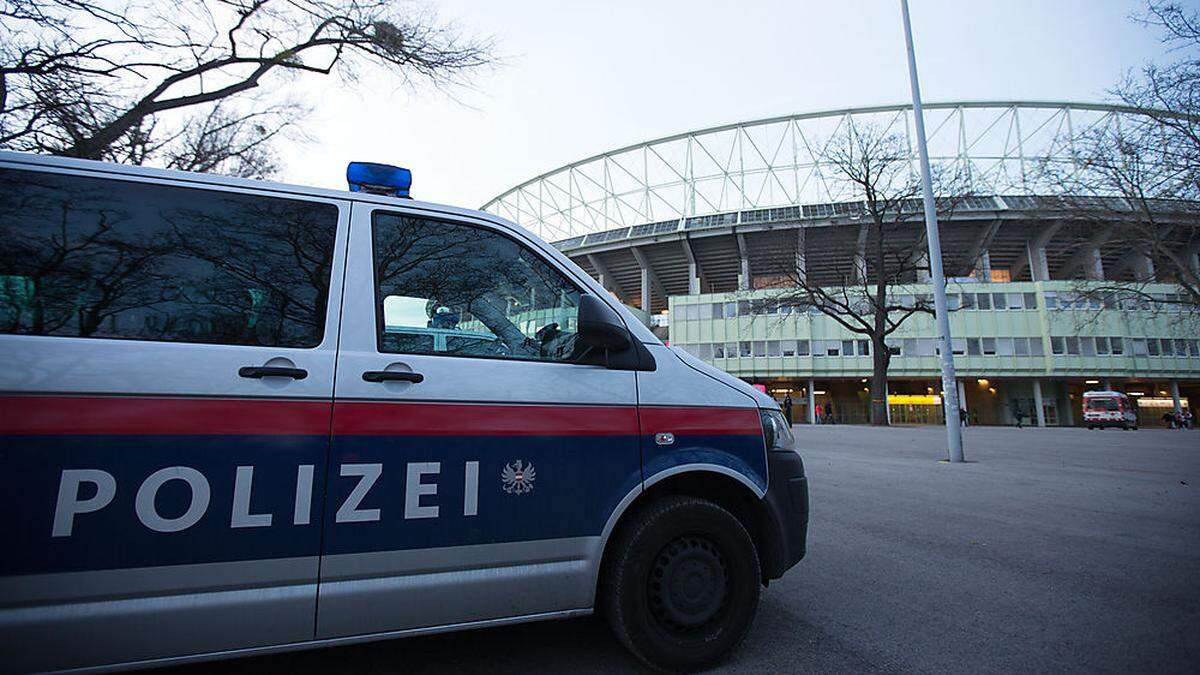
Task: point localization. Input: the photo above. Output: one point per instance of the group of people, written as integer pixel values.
(824, 413)
(1180, 419)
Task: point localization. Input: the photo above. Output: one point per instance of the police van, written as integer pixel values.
(239, 417)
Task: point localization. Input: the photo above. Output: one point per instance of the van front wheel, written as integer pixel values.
(681, 585)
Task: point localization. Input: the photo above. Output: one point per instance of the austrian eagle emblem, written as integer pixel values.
(518, 477)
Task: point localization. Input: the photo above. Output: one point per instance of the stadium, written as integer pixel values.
(690, 230)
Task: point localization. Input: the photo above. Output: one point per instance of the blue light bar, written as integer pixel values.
(379, 179)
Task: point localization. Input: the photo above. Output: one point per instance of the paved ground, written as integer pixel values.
(1053, 550)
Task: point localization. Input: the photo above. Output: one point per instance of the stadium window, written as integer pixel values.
(989, 346)
(1004, 346)
(864, 347)
(788, 347)
(1051, 300)
(1035, 346)
(973, 348)
(1056, 346)
(968, 301)
(731, 309)
(760, 348)
(984, 301)
(1168, 349)
(831, 348)
(691, 312)
(718, 310)
(998, 301)
(1181, 347)
(894, 350)
(958, 346)
(1030, 300)
(1152, 347)
(704, 351)
(910, 347)
(1110, 301)
(744, 349)
(1194, 348)
(1073, 346)
(743, 308)
(1016, 301)
(926, 346)
(705, 312)
(1021, 346)
(773, 348)
(1102, 346)
(953, 301)
(1139, 347)
(847, 347)
(1117, 344)
(1087, 346)
(801, 347)
(719, 350)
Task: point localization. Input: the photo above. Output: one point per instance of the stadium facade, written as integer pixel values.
(687, 228)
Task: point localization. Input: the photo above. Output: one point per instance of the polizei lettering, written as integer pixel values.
(87, 491)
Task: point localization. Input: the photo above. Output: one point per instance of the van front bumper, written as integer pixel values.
(786, 513)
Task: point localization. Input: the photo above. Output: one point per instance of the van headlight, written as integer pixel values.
(777, 435)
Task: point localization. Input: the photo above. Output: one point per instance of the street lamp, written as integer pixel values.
(949, 384)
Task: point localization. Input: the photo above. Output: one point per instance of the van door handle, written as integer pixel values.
(259, 372)
(393, 376)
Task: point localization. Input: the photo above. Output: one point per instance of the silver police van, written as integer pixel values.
(239, 417)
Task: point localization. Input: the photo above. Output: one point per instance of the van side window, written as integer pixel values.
(100, 258)
(452, 289)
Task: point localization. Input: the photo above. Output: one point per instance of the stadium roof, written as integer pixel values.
(758, 166)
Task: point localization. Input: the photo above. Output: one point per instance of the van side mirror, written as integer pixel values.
(599, 326)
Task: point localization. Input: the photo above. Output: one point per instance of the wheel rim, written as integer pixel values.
(688, 585)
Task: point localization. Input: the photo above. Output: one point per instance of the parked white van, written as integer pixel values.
(239, 417)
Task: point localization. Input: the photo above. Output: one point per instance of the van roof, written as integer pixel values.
(93, 166)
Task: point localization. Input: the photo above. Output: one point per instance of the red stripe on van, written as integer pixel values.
(468, 419)
(701, 421)
(129, 415)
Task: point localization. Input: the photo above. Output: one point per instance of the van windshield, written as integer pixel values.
(1103, 404)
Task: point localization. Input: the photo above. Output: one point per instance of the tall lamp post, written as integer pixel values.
(949, 383)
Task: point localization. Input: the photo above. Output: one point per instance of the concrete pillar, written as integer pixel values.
(1107, 384)
(983, 272)
(801, 257)
(646, 290)
(1093, 267)
(744, 275)
(812, 401)
(1143, 268)
(1039, 269)
(1037, 403)
(1175, 396)
(693, 279)
(1068, 414)
(962, 397)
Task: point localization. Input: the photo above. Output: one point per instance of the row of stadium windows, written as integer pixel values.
(1016, 346)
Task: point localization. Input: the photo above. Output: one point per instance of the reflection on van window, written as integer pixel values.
(97, 258)
(458, 290)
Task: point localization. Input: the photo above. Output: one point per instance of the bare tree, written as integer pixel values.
(180, 84)
(890, 250)
(1136, 180)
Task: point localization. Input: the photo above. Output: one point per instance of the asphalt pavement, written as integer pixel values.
(1051, 550)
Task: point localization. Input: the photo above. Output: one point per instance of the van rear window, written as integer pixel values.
(99, 258)
(1103, 404)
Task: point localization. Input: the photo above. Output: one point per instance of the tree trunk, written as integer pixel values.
(880, 359)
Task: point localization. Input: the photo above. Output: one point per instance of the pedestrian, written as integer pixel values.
(962, 416)
(818, 419)
(1189, 420)
(829, 418)
(1169, 419)
(787, 407)
(1020, 415)
(1180, 424)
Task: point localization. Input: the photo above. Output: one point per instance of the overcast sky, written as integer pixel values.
(580, 78)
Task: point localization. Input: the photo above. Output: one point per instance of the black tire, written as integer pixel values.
(681, 583)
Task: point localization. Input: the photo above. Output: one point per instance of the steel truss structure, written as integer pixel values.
(995, 147)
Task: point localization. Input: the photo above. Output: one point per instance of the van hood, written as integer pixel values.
(761, 399)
